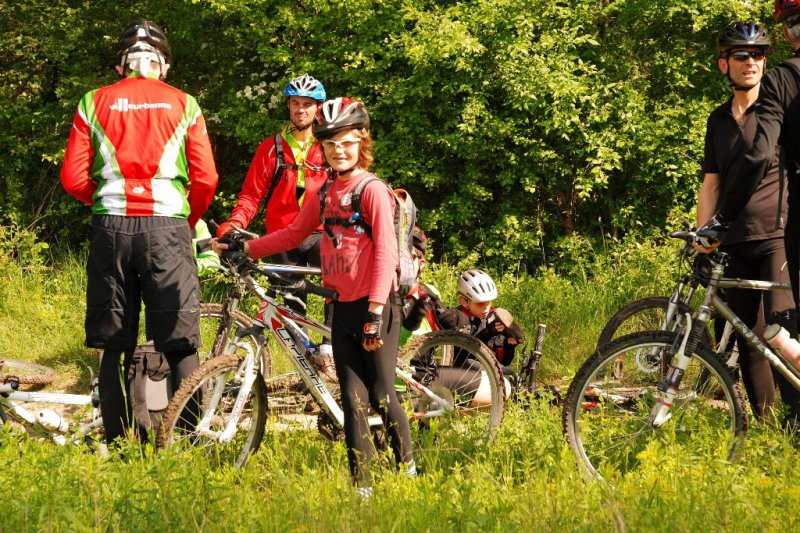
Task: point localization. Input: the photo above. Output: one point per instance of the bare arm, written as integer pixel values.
(707, 198)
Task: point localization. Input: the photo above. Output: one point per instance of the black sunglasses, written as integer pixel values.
(743, 55)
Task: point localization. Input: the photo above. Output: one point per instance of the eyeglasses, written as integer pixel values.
(744, 55)
(344, 144)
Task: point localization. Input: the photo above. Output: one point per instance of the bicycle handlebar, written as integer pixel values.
(309, 288)
(202, 245)
(684, 235)
(273, 273)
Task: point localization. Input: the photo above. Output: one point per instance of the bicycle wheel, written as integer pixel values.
(646, 314)
(217, 384)
(25, 373)
(462, 370)
(214, 336)
(606, 419)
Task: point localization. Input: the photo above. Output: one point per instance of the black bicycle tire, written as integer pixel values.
(25, 373)
(476, 349)
(575, 398)
(193, 383)
(636, 307)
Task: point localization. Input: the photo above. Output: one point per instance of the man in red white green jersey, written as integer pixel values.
(139, 154)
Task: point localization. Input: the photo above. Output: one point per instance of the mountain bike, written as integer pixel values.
(665, 313)
(23, 405)
(673, 390)
(225, 406)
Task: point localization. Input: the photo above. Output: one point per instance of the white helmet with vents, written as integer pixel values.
(476, 286)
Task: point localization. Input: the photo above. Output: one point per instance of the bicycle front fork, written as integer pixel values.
(669, 386)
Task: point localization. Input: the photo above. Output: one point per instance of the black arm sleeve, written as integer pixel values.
(414, 311)
(451, 318)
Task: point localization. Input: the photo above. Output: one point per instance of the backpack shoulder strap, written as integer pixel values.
(280, 167)
(359, 190)
(323, 192)
(356, 201)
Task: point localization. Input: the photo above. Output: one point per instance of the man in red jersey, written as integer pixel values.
(139, 155)
(287, 168)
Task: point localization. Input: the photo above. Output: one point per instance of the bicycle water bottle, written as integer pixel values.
(52, 421)
(782, 341)
(326, 360)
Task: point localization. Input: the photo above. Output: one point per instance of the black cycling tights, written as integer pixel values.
(114, 386)
(367, 379)
(765, 260)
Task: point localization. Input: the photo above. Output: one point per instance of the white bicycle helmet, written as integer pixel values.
(476, 286)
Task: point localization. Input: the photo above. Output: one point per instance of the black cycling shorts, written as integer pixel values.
(135, 259)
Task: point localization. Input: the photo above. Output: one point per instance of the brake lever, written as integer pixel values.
(243, 232)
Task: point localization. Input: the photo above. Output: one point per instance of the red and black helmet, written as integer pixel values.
(142, 34)
(339, 114)
(785, 9)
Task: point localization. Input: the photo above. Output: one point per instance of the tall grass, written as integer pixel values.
(526, 481)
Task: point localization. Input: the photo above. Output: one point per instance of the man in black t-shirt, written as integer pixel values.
(755, 239)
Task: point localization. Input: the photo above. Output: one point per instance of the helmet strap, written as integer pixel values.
(295, 127)
(140, 61)
(734, 85)
(737, 87)
(348, 171)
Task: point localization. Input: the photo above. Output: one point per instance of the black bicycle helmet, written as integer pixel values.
(142, 35)
(339, 114)
(743, 34)
(785, 9)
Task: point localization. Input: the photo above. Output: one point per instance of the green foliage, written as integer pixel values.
(298, 481)
(515, 125)
(526, 481)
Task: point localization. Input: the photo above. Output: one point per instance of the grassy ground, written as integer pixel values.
(298, 481)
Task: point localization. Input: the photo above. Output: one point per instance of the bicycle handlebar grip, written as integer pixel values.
(310, 288)
(203, 245)
(685, 235)
(537, 348)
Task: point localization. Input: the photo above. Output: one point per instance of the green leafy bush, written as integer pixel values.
(518, 127)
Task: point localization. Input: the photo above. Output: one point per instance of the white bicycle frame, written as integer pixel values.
(287, 327)
(13, 403)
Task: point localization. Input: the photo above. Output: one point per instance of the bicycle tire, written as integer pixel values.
(429, 358)
(645, 314)
(213, 337)
(178, 425)
(25, 373)
(605, 419)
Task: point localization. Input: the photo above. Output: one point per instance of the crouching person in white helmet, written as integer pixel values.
(476, 316)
